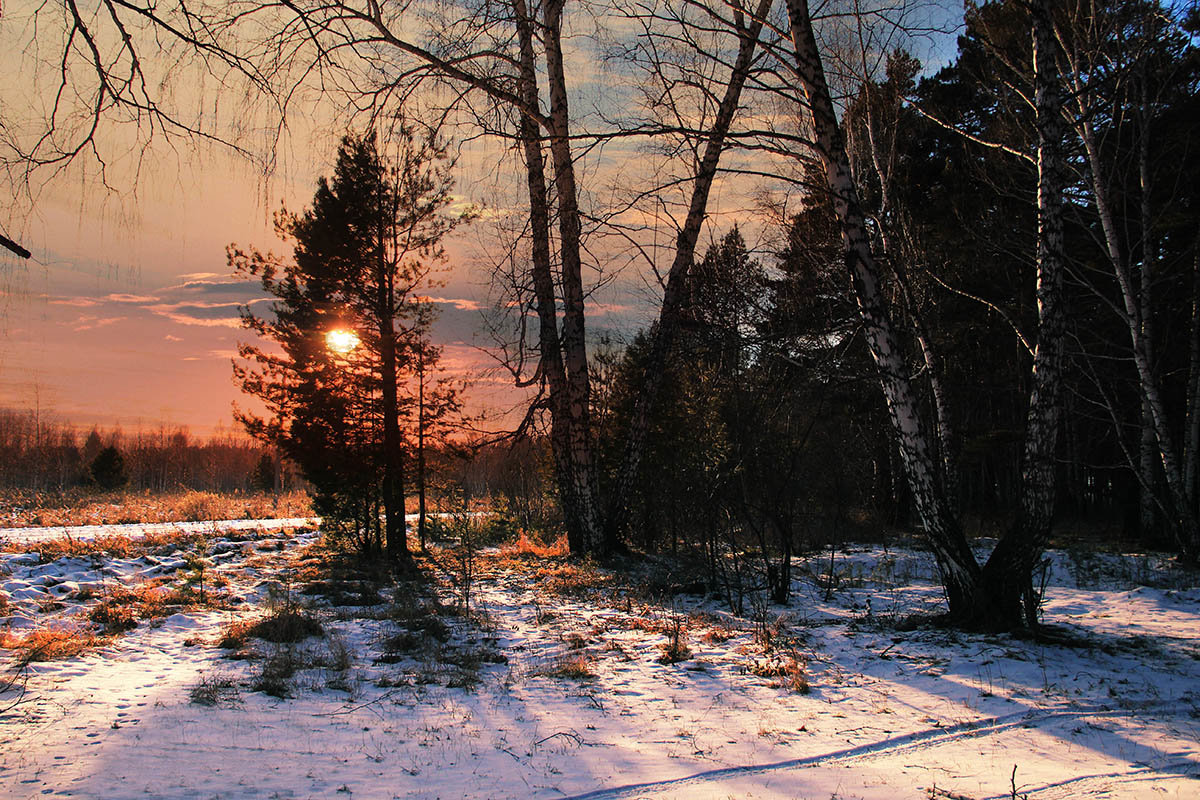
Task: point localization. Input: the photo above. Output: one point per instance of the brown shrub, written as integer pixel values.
(281, 628)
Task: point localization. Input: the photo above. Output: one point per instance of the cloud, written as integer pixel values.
(204, 314)
(202, 298)
(75, 302)
(171, 338)
(88, 322)
(604, 309)
(134, 299)
(460, 303)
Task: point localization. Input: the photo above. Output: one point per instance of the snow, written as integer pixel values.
(889, 714)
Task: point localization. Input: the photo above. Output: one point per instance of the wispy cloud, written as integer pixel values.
(460, 303)
(204, 314)
(74, 302)
(134, 299)
(89, 322)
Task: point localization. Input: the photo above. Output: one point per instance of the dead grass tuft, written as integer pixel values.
(786, 670)
(718, 635)
(575, 666)
(526, 548)
(676, 649)
(283, 627)
(122, 607)
(573, 580)
(214, 689)
(51, 644)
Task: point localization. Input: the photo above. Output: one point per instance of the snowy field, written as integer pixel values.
(558, 684)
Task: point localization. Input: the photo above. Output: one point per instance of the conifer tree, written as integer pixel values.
(353, 327)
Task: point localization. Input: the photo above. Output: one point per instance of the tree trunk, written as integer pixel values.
(1184, 522)
(1005, 597)
(1192, 442)
(956, 563)
(421, 447)
(550, 364)
(1146, 455)
(584, 514)
(685, 253)
(393, 466)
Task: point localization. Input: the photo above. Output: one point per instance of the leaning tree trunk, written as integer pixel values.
(956, 563)
(669, 317)
(1006, 593)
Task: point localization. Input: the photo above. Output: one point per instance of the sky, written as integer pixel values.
(127, 314)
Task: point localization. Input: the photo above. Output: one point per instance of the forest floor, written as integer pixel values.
(237, 662)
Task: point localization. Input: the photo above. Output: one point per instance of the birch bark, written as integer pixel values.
(956, 563)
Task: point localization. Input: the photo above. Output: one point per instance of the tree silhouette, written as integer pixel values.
(353, 329)
(108, 469)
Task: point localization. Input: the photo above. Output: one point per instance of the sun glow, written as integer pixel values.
(341, 341)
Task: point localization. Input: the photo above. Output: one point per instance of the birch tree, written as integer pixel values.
(991, 596)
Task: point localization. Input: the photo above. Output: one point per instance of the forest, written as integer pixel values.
(975, 311)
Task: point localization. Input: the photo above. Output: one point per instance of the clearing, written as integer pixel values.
(233, 661)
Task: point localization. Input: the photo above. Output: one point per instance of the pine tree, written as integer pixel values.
(108, 469)
(353, 327)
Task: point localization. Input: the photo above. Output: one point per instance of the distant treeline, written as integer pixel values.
(44, 453)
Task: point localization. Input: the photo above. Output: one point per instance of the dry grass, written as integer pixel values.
(51, 644)
(676, 649)
(718, 635)
(215, 689)
(526, 548)
(786, 671)
(116, 546)
(575, 666)
(647, 624)
(572, 580)
(81, 507)
(287, 626)
(124, 606)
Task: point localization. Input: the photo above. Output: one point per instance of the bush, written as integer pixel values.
(107, 469)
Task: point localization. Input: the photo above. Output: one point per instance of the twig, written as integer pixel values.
(575, 737)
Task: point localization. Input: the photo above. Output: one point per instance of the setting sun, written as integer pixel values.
(341, 341)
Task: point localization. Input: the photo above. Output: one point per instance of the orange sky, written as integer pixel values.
(127, 312)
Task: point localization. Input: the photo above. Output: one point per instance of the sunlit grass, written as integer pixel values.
(20, 509)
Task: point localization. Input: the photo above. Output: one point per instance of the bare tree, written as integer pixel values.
(991, 596)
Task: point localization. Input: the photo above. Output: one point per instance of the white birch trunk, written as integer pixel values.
(1185, 523)
(956, 563)
(1007, 574)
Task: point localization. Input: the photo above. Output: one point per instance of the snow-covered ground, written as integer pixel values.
(550, 695)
